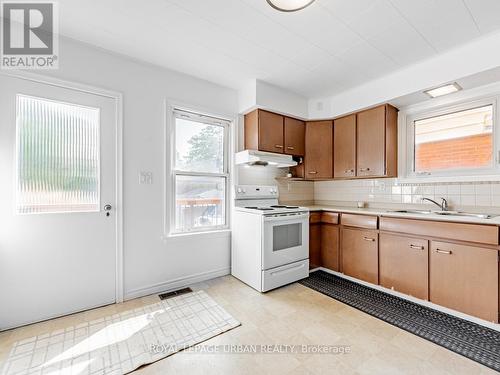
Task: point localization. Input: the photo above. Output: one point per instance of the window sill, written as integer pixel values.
(453, 179)
(217, 233)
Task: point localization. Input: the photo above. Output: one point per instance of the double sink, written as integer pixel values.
(444, 213)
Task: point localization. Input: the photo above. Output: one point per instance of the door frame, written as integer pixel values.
(118, 99)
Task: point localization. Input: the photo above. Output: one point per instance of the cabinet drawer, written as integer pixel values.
(283, 275)
(315, 217)
(359, 221)
(486, 234)
(330, 217)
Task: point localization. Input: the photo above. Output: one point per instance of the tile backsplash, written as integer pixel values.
(377, 192)
(389, 191)
(292, 192)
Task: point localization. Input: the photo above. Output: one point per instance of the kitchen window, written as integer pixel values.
(458, 141)
(200, 172)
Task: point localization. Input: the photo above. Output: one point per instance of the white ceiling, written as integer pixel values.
(322, 50)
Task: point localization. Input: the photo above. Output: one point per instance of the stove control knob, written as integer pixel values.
(244, 191)
(239, 190)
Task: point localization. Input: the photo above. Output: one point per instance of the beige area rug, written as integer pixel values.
(120, 343)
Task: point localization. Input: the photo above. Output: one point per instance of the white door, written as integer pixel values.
(57, 174)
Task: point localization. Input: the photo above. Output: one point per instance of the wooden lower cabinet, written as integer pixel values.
(404, 264)
(330, 246)
(464, 278)
(314, 244)
(360, 254)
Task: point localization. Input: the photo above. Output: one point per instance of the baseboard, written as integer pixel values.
(174, 284)
(458, 314)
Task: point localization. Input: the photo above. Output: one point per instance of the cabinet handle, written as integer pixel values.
(369, 239)
(417, 247)
(278, 146)
(290, 148)
(313, 172)
(364, 169)
(349, 171)
(447, 252)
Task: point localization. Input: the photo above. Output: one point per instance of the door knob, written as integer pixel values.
(107, 208)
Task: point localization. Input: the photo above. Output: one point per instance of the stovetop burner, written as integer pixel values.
(260, 208)
(282, 206)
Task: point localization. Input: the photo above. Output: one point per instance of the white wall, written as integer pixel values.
(151, 263)
(260, 94)
(472, 58)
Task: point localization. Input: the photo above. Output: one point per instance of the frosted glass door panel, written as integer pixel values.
(57, 156)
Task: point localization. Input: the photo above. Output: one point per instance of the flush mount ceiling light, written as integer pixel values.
(289, 5)
(443, 90)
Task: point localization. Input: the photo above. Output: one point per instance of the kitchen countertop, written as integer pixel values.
(384, 212)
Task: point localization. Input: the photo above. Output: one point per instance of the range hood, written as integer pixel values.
(253, 157)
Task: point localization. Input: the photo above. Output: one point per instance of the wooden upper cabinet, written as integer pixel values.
(319, 143)
(267, 131)
(344, 147)
(295, 134)
(264, 131)
(464, 278)
(270, 132)
(377, 144)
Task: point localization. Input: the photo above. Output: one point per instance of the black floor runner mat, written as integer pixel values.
(481, 344)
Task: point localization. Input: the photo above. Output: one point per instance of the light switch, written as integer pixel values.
(145, 178)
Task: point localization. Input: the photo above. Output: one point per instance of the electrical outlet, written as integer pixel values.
(145, 178)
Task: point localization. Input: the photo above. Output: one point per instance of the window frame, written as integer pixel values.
(409, 127)
(180, 111)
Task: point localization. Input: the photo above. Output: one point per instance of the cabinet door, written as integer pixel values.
(465, 278)
(270, 132)
(344, 147)
(371, 142)
(360, 254)
(330, 246)
(314, 245)
(404, 265)
(295, 134)
(319, 143)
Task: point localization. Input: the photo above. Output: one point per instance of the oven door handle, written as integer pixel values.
(293, 217)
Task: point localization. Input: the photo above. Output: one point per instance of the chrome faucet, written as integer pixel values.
(443, 206)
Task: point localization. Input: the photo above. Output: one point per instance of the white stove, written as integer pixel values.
(270, 242)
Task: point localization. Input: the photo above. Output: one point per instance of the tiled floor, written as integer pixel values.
(293, 315)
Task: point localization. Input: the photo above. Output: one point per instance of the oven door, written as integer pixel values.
(286, 239)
